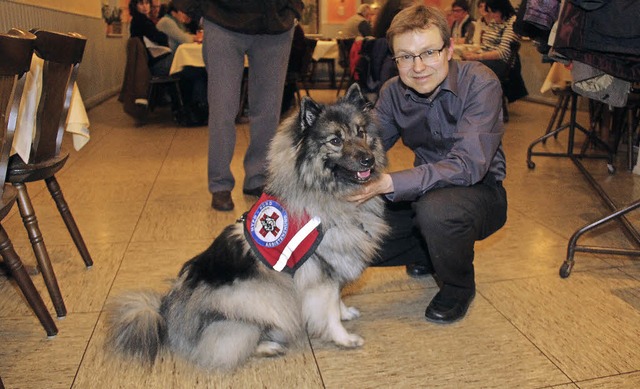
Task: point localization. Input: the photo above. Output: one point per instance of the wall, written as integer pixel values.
(102, 68)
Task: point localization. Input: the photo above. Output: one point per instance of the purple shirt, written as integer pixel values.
(456, 133)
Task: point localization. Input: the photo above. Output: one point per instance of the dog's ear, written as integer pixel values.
(309, 112)
(355, 97)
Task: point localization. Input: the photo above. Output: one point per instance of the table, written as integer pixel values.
(77, 119)
(190, 54)
(187, 54)
(326, 49)
(459, 49)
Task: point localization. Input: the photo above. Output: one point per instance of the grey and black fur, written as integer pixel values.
(225, 305)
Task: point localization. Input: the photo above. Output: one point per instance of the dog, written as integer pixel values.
(230, 303)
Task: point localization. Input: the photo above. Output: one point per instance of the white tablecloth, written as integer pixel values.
(77, 120)
(187, 54)
(190, 54)
(326, 49)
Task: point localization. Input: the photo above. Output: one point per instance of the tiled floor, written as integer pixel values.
(140, 198)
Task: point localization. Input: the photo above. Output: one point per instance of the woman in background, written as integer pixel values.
(498, 37)
(143, 27)
(193, 80)
(498, 41)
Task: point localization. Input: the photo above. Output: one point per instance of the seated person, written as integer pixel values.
(480, 23)
(496, 46)
(359, 24)
(193, 80)
(463, 25)
(143, 27)
(174, 25)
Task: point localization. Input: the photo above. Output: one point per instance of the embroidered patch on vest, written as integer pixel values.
(280, 240)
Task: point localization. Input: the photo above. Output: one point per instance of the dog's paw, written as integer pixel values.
(350, 341)
(348, 313)
(270, 349)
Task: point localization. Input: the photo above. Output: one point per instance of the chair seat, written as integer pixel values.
(24, 172)
(9, 194)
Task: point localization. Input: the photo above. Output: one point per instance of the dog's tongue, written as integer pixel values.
(364, 174)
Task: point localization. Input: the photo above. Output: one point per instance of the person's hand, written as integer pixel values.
(374, 188)
(199, 36)
(470, 56)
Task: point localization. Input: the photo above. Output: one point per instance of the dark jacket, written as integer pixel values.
(248, 16)
(142, 26)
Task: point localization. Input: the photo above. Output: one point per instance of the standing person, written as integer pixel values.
(448, 113)
(359, 24)
(262, 30)
(463, 25)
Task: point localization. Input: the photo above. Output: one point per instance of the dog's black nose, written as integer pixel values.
(367, 161)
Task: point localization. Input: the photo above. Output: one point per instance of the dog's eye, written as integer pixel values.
(361, 133)
(336, 141)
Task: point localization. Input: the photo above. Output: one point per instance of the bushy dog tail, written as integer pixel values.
(135, 326)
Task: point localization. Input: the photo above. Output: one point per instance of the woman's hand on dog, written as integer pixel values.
(380, 186)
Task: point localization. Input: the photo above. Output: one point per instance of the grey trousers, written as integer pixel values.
(224, 52)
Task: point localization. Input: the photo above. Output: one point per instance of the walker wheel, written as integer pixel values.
(565, 269)
(531, 164)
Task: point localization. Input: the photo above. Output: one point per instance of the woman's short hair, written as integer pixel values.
(419, 17)
(504, 6)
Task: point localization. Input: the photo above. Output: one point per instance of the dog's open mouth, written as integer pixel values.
(363, 175)
(358, 177)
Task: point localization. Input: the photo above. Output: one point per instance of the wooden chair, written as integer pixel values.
(16, 49)
(505, 79)
(62, 54)
(302, 74)
(140, 89)
(344, 50)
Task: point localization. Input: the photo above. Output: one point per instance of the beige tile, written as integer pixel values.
(101, 369)
(192, 220)
(622, 381)
(387, 279)
(83, 290)
(587, 324)
(29, 360)
(154, 264)
(403, 350)
(525, 248)
(98, 223)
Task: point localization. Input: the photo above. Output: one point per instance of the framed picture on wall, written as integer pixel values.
(310, 17)
(338, 11)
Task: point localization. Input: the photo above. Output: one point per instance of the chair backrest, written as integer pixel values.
(344, 49)
(62, 54)
(305, 64)
(16, 51)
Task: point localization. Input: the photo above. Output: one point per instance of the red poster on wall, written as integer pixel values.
(338, 11)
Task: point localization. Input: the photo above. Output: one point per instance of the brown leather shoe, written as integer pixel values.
(221, 200)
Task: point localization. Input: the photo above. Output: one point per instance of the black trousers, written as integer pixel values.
(441, 228)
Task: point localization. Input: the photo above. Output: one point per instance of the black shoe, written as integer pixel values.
(254, 192)
(222, 201)
(445, 310)
(419, 270)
